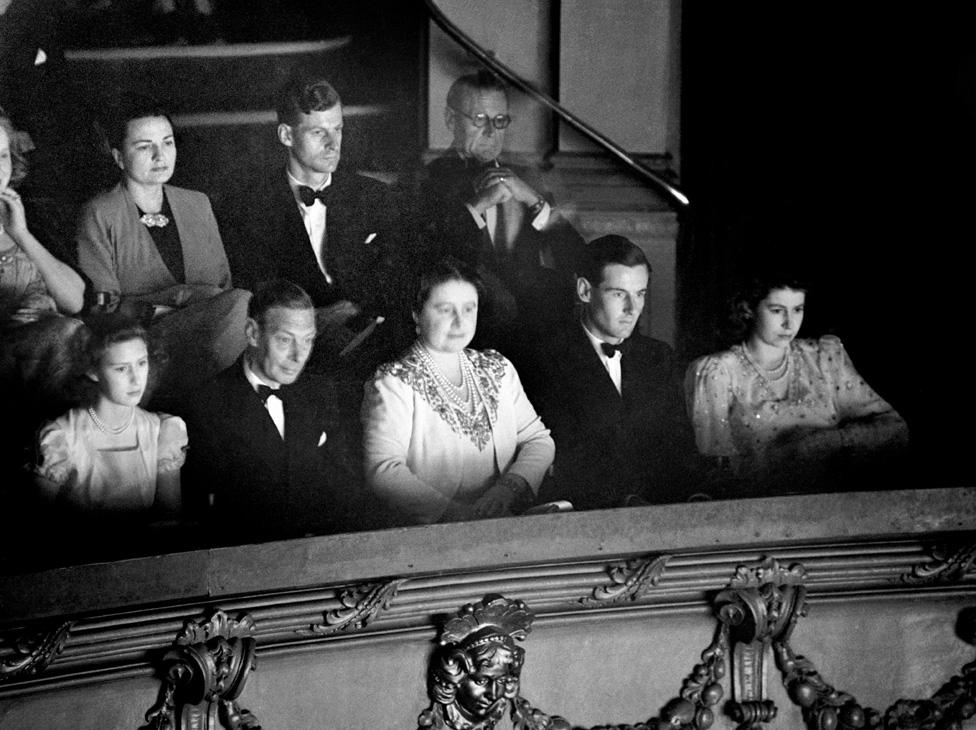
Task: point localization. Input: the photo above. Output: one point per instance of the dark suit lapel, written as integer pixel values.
(587, 369)
(299, 422)
(296, 244)
(256, 425)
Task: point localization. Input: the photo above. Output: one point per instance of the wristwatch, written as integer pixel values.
(537, 207)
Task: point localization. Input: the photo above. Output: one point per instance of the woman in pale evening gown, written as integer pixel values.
(449, 433)
(777, 412)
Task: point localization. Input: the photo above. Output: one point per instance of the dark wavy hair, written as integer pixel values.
(18, 163)
(304, 92)
(89, 344)
(115, 121)
(447, 269)
(745, 301)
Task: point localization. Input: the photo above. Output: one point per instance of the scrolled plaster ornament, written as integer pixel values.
(475, 671)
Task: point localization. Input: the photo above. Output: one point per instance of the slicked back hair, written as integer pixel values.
(473, 83)
(304, 93)
(606, 250)
(277, 293)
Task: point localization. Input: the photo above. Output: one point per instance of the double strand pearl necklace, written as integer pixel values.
(112, 431)
(771, 376)
(462, 396)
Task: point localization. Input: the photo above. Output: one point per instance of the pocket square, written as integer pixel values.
(369, 238)
(322, 438)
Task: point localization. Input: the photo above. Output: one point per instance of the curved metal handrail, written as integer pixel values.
(578, 124)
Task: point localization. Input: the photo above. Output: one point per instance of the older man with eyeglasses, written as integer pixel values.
(498, 218)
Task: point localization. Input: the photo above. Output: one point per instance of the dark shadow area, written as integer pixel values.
(839, 141)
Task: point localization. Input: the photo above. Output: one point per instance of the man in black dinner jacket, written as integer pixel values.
(498, 218)
(333, 233)
(269, 456)
(610, 396)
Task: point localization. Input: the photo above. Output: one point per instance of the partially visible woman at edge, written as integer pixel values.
(108, 454)
(38, 291)
(449, 434)
(781, 412)
(154, 250)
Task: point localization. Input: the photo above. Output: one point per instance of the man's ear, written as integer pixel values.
(583, 289)
(117, 156)
(251, 331)
(285, 135)
(449, 116)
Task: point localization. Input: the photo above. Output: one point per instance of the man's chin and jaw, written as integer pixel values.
(612, 308)
(314, 144)
(279, 347)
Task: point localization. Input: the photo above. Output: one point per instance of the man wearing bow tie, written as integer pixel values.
(270, 456)
(333, 233)
(498, 218)
(610, 396)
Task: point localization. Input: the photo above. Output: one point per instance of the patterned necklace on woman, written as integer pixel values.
(463, 397)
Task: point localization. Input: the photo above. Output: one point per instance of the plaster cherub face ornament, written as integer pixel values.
(475, 671)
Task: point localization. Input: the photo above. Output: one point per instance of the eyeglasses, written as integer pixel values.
(499, 121)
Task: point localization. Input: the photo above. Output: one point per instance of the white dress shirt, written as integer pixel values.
(274, 405)
(314, 218)
(612, 364)
(513, 220)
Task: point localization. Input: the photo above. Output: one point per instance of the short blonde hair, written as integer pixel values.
(18, 163)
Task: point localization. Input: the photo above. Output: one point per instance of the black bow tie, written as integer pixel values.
(609, 349)
(309, 196)
(265, 391)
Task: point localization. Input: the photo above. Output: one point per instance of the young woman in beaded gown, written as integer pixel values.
(777, 411)
(108, 454)
(448, 431)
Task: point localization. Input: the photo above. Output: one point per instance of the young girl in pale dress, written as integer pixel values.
(777, 411)
(109, 454)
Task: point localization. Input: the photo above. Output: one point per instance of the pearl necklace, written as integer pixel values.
(101, 426)
(454, 393)
(774, 375)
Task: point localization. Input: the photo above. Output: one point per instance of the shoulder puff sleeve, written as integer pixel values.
(387, 415)
(172, 443)
(535, 447)
(53, 454)
(708, 392)
(867, 421)
(853, 396)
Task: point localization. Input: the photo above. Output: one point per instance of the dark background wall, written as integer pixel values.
(839, 137)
